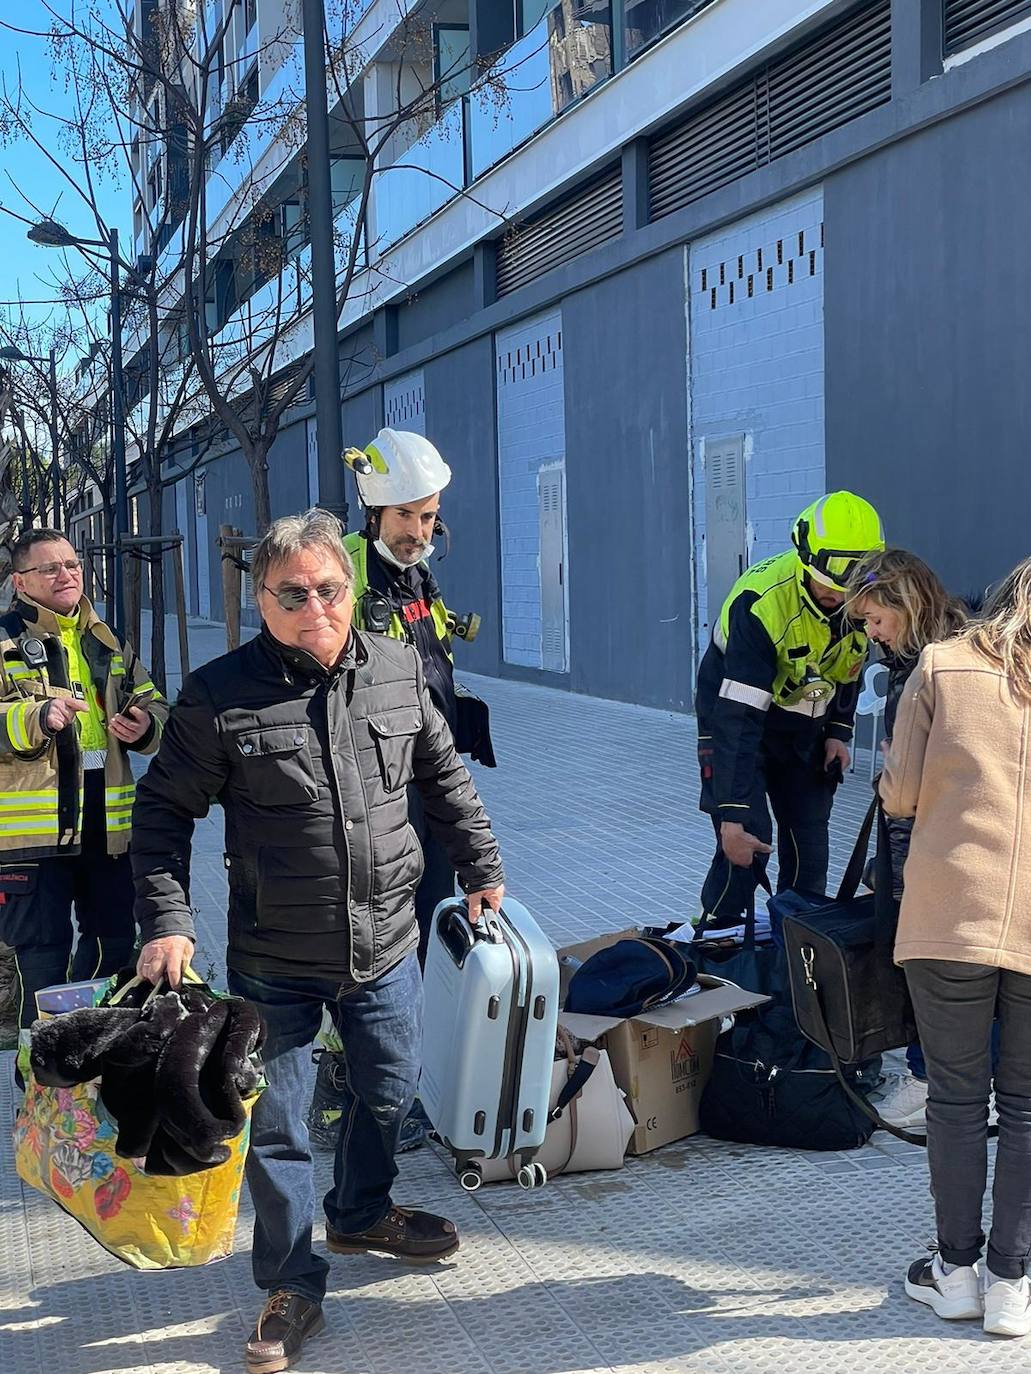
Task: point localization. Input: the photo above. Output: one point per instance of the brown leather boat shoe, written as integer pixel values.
(286, 1322)
(417, 1237)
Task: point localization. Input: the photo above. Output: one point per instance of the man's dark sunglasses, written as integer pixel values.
(293, 598)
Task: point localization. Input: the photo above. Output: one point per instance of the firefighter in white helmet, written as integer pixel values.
(400, 477)
(395, 593)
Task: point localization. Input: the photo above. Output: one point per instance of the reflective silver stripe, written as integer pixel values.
(745, 694)
(813, 709)
(94, 758)
(16, 730)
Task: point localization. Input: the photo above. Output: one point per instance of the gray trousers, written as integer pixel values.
(955, 1004)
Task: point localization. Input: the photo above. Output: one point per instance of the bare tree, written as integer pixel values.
(227, 287)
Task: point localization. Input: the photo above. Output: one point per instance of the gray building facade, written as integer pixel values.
(811, 274)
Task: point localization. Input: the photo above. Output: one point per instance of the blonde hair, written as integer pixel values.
(1003, 635)
(903, 583)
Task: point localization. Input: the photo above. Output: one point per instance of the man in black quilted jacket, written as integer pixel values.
(308, 736)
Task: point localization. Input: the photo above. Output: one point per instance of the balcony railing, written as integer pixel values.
(423, 179)
(512, 101)
(342, 17)
(345, 226)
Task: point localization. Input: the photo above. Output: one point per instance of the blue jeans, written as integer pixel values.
(380, 1024)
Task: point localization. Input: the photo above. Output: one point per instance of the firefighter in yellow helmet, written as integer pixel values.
(776, 697)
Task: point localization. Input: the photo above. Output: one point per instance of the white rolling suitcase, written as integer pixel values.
(491, 1015)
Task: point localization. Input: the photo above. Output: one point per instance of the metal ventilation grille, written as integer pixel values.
(837, 77)
(968, 21)
(842, 73)
(577, 225)
(714, 147)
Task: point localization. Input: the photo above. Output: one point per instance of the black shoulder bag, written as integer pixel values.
(769, 1084)
(849, 995)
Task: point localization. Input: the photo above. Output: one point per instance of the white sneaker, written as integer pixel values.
(955, 1297)
(1007, 1307)
(905, 1103)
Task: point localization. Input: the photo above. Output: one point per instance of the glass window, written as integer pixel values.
(648, 19)
(530, 13)
(541, 74)
(346, 176)
(579, 49)
(293, 227)
(453, 71)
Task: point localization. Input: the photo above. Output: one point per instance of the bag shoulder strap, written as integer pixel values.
(853, 875)
(579, 1070)
(576, 1082)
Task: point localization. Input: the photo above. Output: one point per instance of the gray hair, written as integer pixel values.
(291, 535)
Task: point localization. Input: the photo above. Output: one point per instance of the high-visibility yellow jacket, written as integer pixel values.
(43, 656)
(778, 664)
(358, 547)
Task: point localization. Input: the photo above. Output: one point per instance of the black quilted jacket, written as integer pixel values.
(311, 768)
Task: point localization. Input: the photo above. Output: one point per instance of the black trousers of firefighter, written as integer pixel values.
(36, 912)
(791, 781)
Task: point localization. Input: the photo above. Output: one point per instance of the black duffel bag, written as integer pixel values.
(769, 1085)
(850, 998)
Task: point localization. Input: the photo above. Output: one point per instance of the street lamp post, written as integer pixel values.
(49, 234)
(328, 423)
(118, 427)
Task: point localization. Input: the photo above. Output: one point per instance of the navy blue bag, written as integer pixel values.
(630, 976)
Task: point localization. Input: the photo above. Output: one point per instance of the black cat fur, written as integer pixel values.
(69, 1049)
(128, 1086)
(230, 1073)
(166, 1157)
(183, 1074)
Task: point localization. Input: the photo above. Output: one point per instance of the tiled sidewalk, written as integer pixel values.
(704, 1257)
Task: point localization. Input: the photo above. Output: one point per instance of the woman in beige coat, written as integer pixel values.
(960, 763)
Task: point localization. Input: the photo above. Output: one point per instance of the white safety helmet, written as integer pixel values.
(404, 467)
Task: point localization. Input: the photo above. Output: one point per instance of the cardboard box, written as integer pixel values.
(661, 1059)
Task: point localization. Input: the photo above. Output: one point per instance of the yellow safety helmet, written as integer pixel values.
(834, 535)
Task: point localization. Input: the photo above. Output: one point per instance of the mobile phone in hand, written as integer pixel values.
(135, 699)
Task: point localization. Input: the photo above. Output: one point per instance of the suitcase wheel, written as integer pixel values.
(532, 1176)
(470, 1178)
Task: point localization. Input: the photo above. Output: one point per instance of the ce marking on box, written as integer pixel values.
(652, 1124)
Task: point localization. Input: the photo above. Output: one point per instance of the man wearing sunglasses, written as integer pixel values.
(74, 700)
(309, 737)
(776, 699)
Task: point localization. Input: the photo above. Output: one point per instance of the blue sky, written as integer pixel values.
(22, 164)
